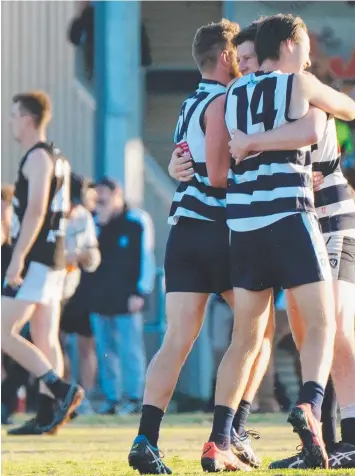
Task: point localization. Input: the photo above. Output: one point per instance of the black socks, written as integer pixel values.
(313, 394)
(150, 423)
(329, 416)
(241, 417)
(56, 385)
(222, 426)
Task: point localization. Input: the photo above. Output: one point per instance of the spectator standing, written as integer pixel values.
(83, 257)
(118, 291)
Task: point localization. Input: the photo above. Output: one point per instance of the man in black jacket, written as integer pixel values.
(117, 294)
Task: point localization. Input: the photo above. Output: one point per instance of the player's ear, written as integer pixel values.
(287, 45)
(225, 57)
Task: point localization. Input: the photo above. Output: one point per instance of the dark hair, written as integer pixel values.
(210, 40)
(37, 104)
(109, 183)
(246, 34)
(273, 31)
(78, 186)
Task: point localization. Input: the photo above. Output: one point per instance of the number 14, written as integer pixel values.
(266, 90)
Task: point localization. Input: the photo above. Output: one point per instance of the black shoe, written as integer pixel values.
(241, 447)
(30, 427)
(309, 430)
(292, 462)
(65, 407)
(342, 456)
(145, 458)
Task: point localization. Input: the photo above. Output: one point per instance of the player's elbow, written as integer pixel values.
(348, 111)
(217, 177)
(349, 115)
(218, 181)
(315, 134)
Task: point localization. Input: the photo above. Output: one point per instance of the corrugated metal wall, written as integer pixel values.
(171, 27)
(35, 54)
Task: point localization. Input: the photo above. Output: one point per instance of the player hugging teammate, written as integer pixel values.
(283, 233)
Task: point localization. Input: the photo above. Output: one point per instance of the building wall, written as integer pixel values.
(36, 55)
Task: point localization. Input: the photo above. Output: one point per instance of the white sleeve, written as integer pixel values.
(90, 232)
(90, 241)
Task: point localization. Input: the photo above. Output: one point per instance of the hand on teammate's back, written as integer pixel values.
(180, 167)
(239, 146)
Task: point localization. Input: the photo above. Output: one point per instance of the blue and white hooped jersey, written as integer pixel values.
(267, 186)
(335, 204)
(197, 198)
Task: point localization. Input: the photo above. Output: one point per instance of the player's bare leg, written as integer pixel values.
(343, 358)
(343, 368)
(45, 336)
(14, 315)
(185, 313)
(240, 440)
(316, 306)
(251, 315)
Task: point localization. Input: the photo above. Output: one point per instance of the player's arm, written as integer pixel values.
(326, 98)
(306, 131)
(38, 170)
(216, 143)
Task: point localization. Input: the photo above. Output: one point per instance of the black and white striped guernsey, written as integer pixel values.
(268, 186)
(335, 204)
(197, 198)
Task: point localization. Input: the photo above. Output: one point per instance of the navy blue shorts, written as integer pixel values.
(197, 257)
(287, 253)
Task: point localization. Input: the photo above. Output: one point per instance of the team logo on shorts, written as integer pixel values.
(333, 262)
(123, 241)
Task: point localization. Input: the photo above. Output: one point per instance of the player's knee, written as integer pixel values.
(326, 329)
(8, 328)
(344, 333)
(180, 343)
(248, 344)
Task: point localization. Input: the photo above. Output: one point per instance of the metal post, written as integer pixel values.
(230, 10)
(119, 151)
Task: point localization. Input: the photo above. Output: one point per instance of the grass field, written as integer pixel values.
(95, 446)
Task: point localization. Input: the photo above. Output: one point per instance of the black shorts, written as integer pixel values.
(341, 253)
(197, 257)
(286, 254)
(75, 319)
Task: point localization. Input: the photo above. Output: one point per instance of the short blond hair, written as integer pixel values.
(37, 104)
(210, 40)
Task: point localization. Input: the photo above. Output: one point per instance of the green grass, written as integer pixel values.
(95, 446)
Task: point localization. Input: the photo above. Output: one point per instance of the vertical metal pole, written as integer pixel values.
(230, 10)
(119, 151)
